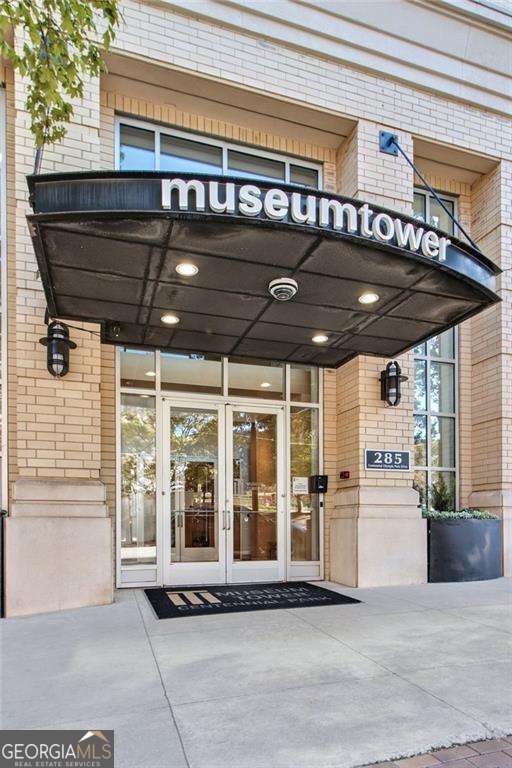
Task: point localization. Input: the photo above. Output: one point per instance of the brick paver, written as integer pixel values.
(491, 753)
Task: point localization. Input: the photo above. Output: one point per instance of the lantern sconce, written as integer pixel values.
(58, 344)
(391, 383)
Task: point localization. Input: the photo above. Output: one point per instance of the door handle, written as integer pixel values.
(228, 527)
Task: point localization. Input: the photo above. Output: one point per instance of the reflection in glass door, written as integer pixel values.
(224, 507)
(194, 543)
(255, 488)
(194, 471)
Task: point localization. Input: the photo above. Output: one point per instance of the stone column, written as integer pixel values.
(377, 535)
(59, 541)
(491, 358)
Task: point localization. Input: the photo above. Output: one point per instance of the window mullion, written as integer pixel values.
(429, 429)
(157, 149)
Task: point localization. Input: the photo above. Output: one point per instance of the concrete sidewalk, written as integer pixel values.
(408, 670)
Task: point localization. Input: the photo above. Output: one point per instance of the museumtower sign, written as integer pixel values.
(278, 204)
(108, 245)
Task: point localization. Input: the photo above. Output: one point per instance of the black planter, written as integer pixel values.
(464, 550)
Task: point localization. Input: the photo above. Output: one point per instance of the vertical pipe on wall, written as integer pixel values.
(4, 487)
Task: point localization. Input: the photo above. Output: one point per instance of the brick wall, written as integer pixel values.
(54, 424)
(492, 337)
(185, 41)
(331, 459)
(363, 421)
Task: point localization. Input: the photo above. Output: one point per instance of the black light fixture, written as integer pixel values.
(391, 383)
(58, 344)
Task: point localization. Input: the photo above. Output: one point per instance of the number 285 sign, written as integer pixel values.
(381, 458)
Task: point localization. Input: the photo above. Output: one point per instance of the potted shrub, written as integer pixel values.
(463, 545)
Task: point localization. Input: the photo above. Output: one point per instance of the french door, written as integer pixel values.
(224, 493)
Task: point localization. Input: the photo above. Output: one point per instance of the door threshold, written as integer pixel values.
(224, 584)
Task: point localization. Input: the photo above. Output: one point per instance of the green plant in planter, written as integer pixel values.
(466, 513)
(440, 496)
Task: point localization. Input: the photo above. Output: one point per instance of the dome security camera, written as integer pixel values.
(283, 288)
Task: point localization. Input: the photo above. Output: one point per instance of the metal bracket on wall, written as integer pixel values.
(389, 144)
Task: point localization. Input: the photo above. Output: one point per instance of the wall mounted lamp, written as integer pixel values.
(58, 344)
(391, 383)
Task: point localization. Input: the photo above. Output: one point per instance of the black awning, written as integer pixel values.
(107, 245)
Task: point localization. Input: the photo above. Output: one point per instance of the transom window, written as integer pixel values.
(146, 147)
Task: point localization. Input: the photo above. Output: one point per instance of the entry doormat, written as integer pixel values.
(171, 602)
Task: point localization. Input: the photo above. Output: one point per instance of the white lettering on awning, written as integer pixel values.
(283, 205)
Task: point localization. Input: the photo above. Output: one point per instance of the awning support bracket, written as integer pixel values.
(389, 144)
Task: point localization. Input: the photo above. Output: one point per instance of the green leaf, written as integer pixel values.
(58, 52)
(467, 513)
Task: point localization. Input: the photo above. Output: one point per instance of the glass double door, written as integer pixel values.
(224, 493)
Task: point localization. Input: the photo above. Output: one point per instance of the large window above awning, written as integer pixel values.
(108, 244)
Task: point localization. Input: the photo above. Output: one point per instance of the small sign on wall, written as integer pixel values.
(300, 485)
(387, 460)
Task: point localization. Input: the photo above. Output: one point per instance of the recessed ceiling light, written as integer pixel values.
(320, 338)
(265, 384)
(368, 298)
(150, 373)
(187, 269)
(170, 319)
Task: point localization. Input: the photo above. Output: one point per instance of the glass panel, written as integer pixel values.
(421, 349)
(443, 441)
(194, 472)
(254, 486)
(420, 441)
(438, 217)
(178, 154)
(420, 385)
(256, 379)
(419, 206)
(420, 484)
(442, 390)
(138, 368)
(306, 176)
(191, 373)
(254, 167)
(137, 149)
(304, 383)
(138, 480)
(304, 462)
(443, 345)
(442, 491)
